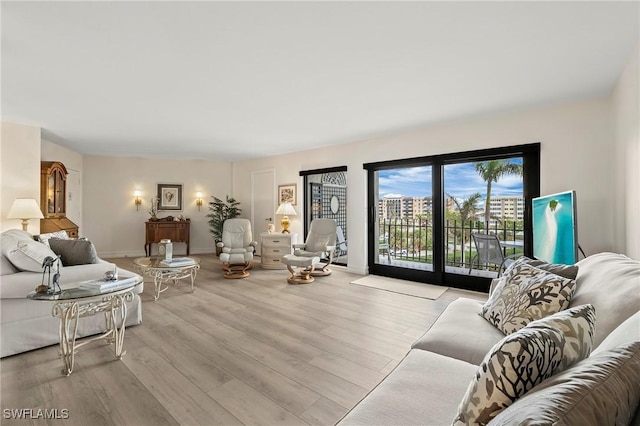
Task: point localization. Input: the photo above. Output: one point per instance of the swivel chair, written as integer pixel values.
(237, 247)
(321, 243)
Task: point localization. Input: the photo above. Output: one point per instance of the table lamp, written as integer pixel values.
(287, 210)
(25, 209)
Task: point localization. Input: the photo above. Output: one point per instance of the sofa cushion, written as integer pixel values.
(524, 294)
(600, 390)
(7, 267)
(628, 331)
(525, 358)
(611, 283)
(461, 333)
(423, 389)
(28, 255)
(44, 238)
(74, 252)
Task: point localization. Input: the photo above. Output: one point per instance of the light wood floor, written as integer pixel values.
(251, 351)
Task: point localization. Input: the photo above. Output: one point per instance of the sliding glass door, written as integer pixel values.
(404, 219)
(424, 212)
(482, 197)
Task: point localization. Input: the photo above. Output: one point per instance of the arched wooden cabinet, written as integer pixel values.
(53, 201)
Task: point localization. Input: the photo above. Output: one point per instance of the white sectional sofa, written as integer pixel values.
(28, 324)
(427, 387)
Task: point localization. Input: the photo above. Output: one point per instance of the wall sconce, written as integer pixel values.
(137, 199)
(199, 200)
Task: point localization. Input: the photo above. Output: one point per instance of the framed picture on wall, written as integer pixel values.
(169, 196)
(287, 193)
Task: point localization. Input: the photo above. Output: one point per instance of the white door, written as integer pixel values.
(263, 202)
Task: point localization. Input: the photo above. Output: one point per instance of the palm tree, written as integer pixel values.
(490, 171)
(467, 209)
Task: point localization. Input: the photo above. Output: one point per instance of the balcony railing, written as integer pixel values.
(411, 240)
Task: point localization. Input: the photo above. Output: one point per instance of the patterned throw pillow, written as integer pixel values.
(567, 271)
(578, 326)
(525, 358)
(600, 390)
(524, 294)
(44, 238)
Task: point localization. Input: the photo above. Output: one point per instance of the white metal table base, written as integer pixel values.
(69, 312)
(161, 278)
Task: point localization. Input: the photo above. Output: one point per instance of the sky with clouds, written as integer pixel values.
(460, 180)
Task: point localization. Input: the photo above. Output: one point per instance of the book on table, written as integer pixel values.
(178, 261)
(102, 284)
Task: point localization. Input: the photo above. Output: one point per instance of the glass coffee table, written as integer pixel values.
(164, 273)
(72, 303)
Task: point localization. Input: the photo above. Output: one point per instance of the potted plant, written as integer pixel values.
(219, 211)
(153, 211)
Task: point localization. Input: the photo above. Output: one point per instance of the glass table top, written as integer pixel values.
(156, 262)
(72, 291)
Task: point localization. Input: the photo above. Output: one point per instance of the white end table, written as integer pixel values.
(71, 304)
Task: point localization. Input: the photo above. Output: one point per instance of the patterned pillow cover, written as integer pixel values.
(44, 238)
(566, 271)
(524, 294)
(525, 358)
(600, 390)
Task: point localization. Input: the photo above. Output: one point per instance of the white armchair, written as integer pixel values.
(237, 247)
(320, 242)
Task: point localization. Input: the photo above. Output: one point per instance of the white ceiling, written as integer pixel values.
(238, 80)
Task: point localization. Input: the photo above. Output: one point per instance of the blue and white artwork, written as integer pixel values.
(554, 228)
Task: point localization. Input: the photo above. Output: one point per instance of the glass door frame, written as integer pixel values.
(530, 154)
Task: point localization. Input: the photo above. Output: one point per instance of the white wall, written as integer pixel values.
(576, 148)
(19, 171)
(591, 146)
(73, 163)
(626, 169)
(110, 217)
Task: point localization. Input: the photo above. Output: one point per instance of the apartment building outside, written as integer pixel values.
(402, 207)
(506, 208)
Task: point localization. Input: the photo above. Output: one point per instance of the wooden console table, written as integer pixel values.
(176, 231)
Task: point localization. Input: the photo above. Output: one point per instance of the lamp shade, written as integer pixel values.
(25, 208)
(286, 209)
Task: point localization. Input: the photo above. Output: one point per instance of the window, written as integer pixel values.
(423, 211)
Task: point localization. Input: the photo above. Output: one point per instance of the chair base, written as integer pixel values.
(304, 276)
(322, 272)
(236, 270)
